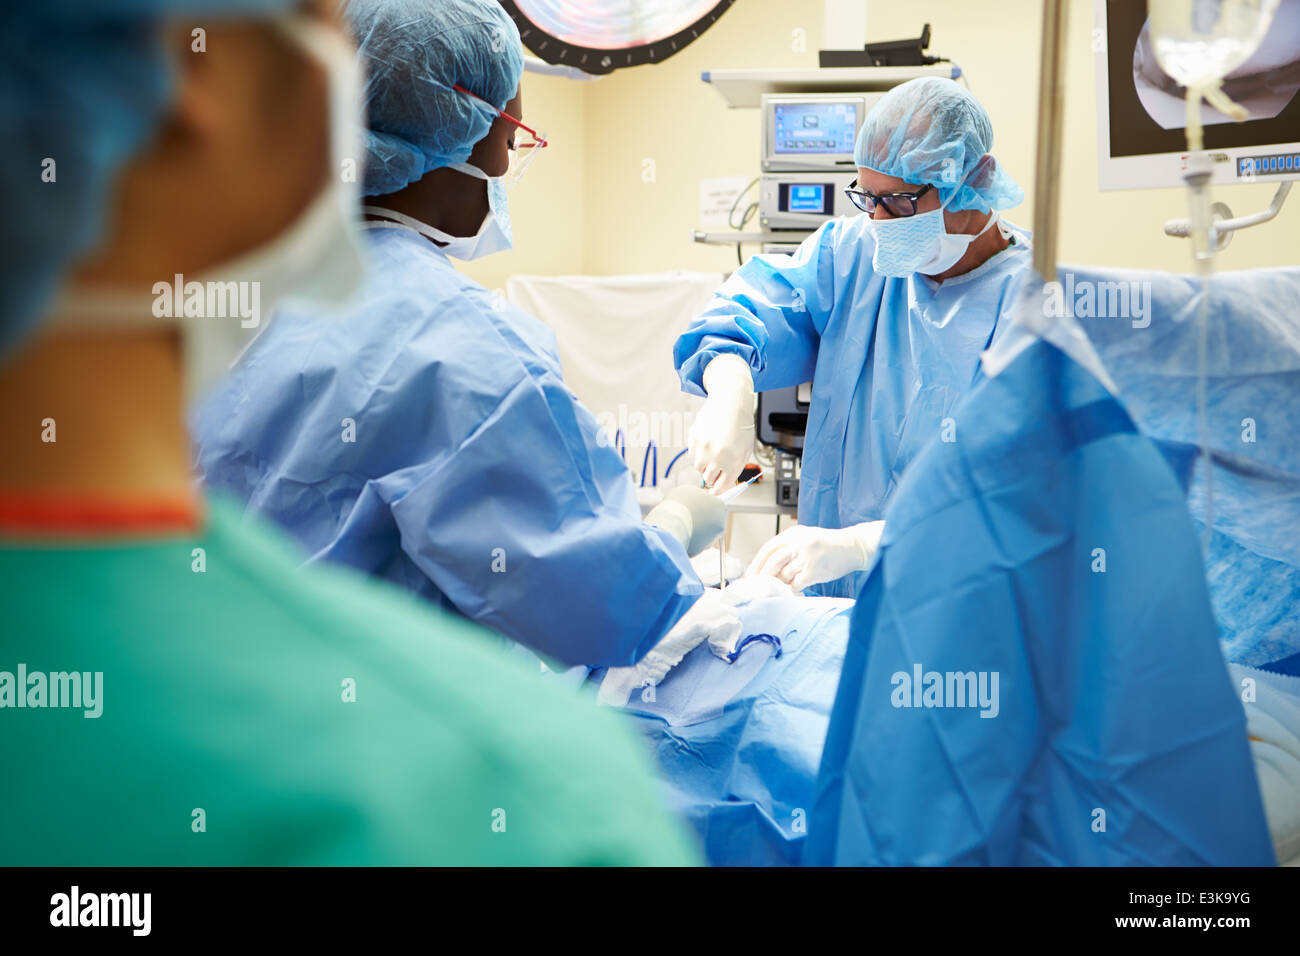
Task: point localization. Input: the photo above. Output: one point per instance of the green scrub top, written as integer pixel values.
(258, 713)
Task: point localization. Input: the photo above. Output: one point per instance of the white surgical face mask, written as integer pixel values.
(493, 235)
(316, 261)
(920, 243)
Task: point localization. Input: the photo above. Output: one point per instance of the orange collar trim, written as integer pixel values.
(62, 516)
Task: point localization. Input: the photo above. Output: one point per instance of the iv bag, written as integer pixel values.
(1199, 42)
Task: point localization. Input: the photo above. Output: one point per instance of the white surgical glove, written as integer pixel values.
(709, 619)
(722, 436)
(748, 590)
(804, 555)
(691, 515)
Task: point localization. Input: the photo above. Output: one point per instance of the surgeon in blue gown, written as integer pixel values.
(885, 313)
(426, 435)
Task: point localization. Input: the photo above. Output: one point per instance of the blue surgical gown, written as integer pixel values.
(1050, 548)
(889, 359)
(427, 437)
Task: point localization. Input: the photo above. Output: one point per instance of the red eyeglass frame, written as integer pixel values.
(539, 140)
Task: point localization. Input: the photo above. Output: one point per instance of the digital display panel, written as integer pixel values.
(811, 129)
(808, 198)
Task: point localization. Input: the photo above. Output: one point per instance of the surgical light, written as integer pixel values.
(600, 36)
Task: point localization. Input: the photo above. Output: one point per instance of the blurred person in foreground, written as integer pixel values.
(174, 689)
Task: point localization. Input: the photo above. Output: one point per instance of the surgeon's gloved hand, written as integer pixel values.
(755, 588)
(723, 642)
(804, 555)
(691, 515)
(722, 436)
(709, 619)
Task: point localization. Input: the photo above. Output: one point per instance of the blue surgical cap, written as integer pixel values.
(413, 53)
(933, 130)
(83, 84)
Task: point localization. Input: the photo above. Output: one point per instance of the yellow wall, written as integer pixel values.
(585, 207)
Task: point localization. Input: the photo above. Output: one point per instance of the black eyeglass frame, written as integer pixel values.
(867, 201)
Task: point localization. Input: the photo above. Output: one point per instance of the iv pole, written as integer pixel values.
(1051, 117)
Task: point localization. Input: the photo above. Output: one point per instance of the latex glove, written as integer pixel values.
(709, 619)
(805, 555)
(691, 515)
(755, 588)
(721, 439)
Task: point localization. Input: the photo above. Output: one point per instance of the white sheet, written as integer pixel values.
(1273, 722)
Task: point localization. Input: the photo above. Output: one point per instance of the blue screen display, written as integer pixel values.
(807, 198)
(807, 129)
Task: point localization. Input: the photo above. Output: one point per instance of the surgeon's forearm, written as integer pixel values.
(726, 327)
(692, 516)
(866, 538)
(728, 374)
(769, 313)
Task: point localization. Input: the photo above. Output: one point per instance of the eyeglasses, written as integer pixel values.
(899, 205)
(522, 154)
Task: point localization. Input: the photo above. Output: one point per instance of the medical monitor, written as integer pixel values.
(812, 132)
(1141, 112)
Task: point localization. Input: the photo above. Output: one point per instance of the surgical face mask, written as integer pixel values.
(920, 243)
(493, 235)
(316, 261)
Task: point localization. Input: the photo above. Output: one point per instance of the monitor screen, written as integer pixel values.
(811, 129)
(1147, 110)
(808, 197)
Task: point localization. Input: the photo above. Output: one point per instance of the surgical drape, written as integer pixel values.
(1049, 546)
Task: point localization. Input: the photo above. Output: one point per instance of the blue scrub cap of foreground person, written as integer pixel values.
(414, 52)
(83, 84)
(933, 130)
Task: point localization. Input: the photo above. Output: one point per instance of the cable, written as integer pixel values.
(669, 469)
(1202, 414)
(745, 217)
(749, 211)
(645, 460)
